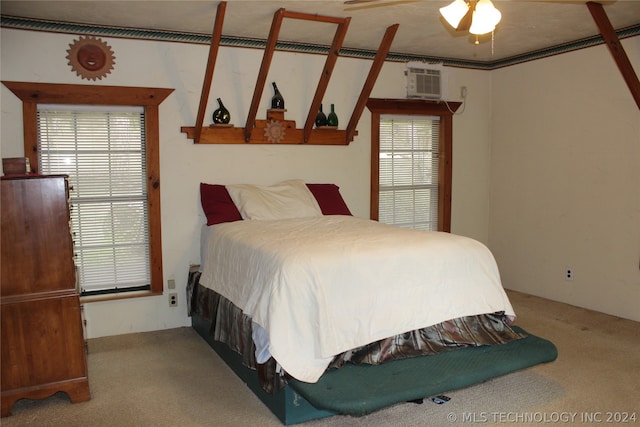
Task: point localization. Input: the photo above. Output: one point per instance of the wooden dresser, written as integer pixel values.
(43, 349)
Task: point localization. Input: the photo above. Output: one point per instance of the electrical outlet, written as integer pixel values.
(173, 299)
(568, 275)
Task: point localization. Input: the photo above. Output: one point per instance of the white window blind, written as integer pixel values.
(102, 149)
(408, 171)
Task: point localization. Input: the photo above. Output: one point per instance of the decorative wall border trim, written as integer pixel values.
(196, 38)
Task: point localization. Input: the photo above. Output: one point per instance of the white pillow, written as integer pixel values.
(287, 199)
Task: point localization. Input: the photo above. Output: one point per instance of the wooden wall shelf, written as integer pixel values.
(258, 131)
(234, 135)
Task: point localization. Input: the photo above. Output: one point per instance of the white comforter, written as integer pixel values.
(320, 286)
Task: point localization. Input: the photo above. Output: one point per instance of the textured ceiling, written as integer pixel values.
(526, 26)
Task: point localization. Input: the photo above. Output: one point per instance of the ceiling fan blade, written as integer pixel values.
(358, 1)
(352, 5)
(580, 2)
(465, 22)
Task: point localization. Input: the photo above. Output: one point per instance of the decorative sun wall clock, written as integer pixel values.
(90, 58)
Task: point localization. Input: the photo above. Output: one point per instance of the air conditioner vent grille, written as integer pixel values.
(424, 82)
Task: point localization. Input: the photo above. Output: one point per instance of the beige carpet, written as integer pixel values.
(172, 378)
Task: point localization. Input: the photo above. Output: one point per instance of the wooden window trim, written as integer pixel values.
(33, 94)
(418, 107)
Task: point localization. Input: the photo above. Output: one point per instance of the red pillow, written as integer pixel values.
(329, 198)
(217, 204)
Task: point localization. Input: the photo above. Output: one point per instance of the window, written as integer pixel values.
(408, 171)
(411, 162)
(103, 152)
(106, 139)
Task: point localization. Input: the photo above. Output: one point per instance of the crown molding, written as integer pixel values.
(230, 41)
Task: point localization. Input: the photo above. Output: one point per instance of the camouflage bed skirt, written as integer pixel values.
(232, 327)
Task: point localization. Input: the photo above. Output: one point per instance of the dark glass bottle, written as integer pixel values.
(221, 116)
(332, 118)
(277, 102)
(321, 119)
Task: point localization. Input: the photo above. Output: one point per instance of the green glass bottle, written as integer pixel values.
(321, 119)
(332, 118)
(221, 116)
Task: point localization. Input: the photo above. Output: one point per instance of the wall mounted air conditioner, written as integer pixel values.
(426, 81)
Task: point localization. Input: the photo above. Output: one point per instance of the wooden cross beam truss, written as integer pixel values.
(252, 133)
(615, 48)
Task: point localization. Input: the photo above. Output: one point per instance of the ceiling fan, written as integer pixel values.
(475, 16)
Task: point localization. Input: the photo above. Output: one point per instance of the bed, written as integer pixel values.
(303, 300)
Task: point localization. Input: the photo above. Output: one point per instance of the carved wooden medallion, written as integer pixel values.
(274, 131)
(90, 58)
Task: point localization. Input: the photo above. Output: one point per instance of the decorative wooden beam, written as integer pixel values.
(343, 24)
(378, 62)
(228, 134)
(617, 51)
(330, 63)
(292, 136)
(262, 75)
(314, 17)
(211, 64)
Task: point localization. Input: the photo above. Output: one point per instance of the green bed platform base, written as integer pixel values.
(361, 389)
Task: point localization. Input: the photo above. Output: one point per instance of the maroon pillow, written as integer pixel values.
(329, 198)
(217, 204)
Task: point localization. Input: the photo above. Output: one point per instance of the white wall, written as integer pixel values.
(565, 180)
(40, 57)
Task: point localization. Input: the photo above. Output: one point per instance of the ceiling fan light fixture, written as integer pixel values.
(454, 13)
(478, 16)
(485, 18)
